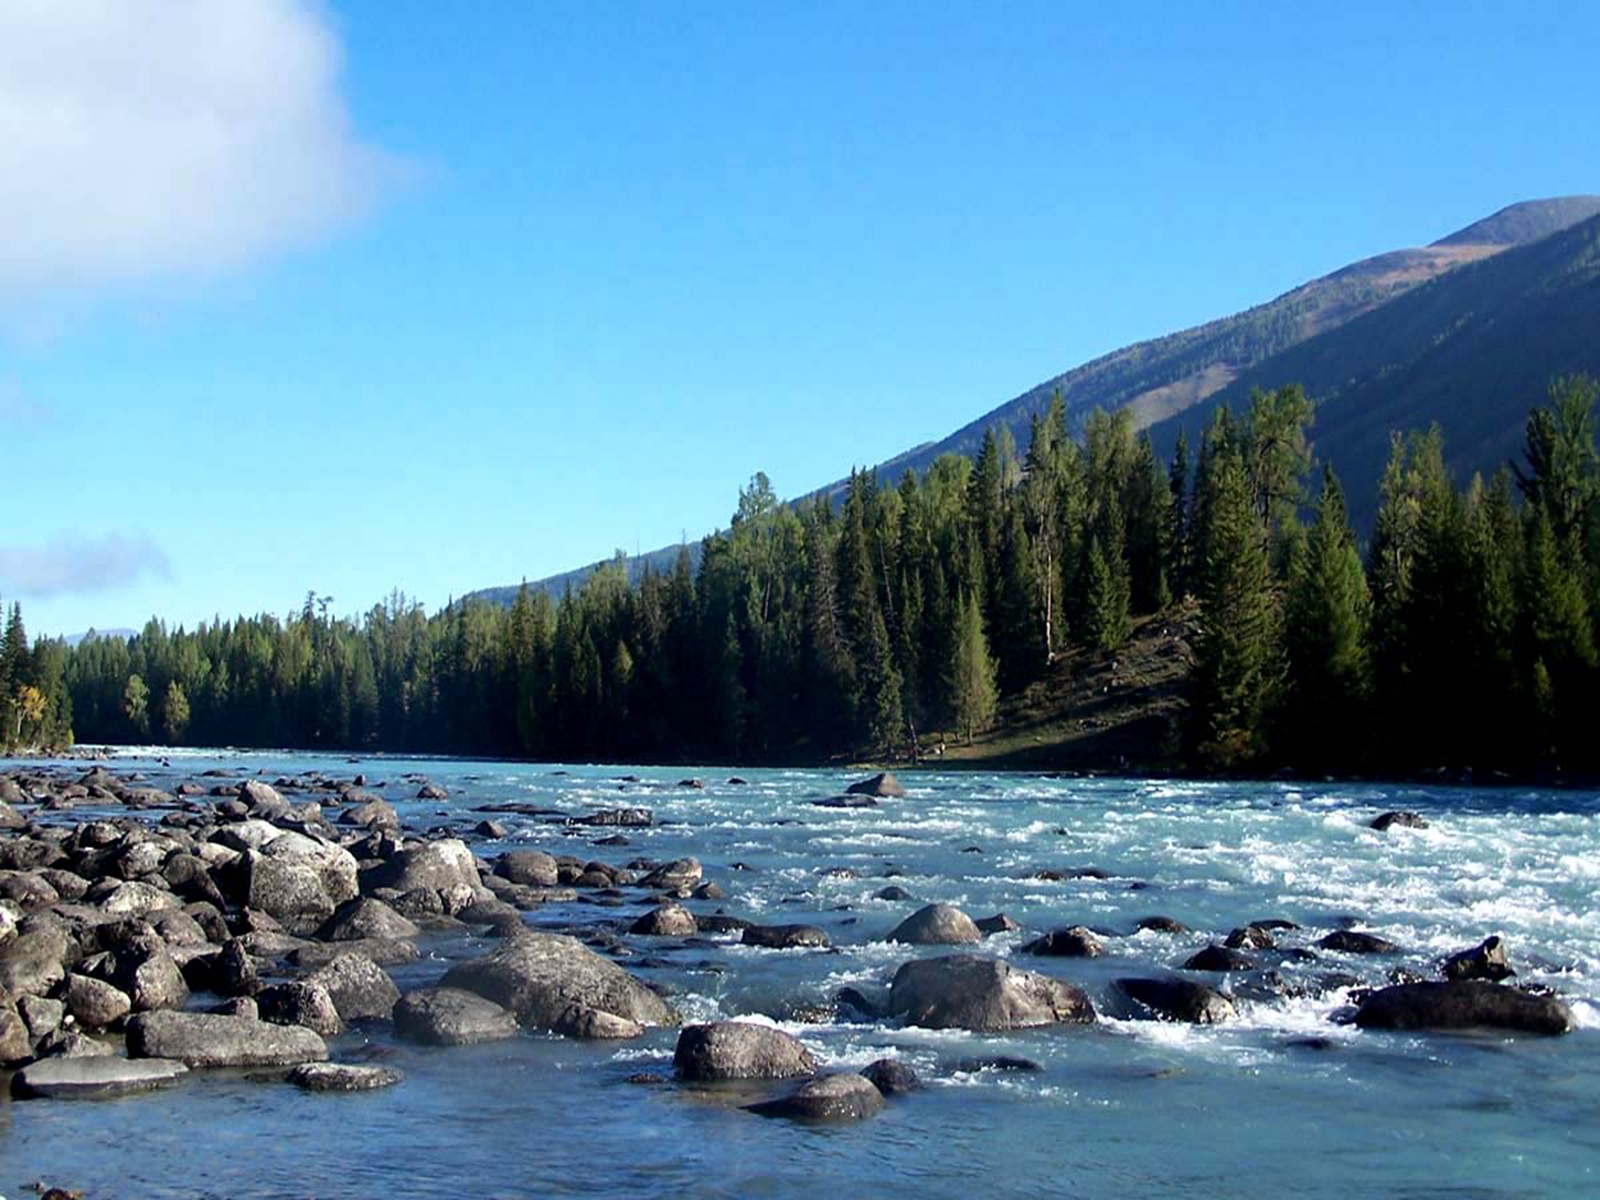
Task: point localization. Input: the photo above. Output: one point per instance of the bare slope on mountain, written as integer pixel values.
(1473, 351)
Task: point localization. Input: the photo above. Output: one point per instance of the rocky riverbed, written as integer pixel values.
(807, 947)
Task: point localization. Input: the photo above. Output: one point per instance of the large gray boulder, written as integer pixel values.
(343, 1077)
(297, 880)
(937, 925)
(883, 784)
(1180, 1000)
(33, 963)
(445, 1016)
(1465, 1004)
(985, 995)
(1487, 960)
(1075, 941)
(94, 1077)
(679, 875)
(831, 1098)
(213, 1040)
(669, 920)
(143, 969)
(94, 1003)
(740, 1050)
(361, 990)
(363, 918)
(440, 865)
(300, 1003)
(542, 976)
(532, 868)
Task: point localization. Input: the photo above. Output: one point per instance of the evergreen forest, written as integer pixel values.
(1462, 633)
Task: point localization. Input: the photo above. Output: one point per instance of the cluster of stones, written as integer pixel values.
(245, 930)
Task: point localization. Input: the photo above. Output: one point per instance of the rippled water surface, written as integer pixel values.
(1285, 1101)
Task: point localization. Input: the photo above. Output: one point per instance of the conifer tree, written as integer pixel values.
(973, 673)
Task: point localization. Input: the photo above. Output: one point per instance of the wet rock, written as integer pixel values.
(892, 1077)
(493, 830)
(740, 1050)
(784, 937)
(94, 1077)
(1350, 941)
(883, 784)
(1250, 937)
(539, 976)
(999, 923)
(1072, 942)
(937, 925)
(343, 1077)
(1464, 1004)
(994, 1062)
(300, 1003)
(360, 989)
(853, 998)
(440, 865)
(1219, 958)
(533, 868)
(625, 817)
(1487, 960)
(710, 891)
(95, 1004)
(670, 920)
(985, 995)
(432, 791)
(832, 1098)
(209, 1040)
(593, 1025)
(893, 892)
(1406, 820)
(363, 918)
(263, 799)
(445, 1016)
(372, 814)
(846, 802)
(1180, 1000)
(682, 874)
(722, 923)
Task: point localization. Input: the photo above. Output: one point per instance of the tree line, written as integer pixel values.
(1464, 635)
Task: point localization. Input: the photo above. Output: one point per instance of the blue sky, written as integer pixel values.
(356, 296)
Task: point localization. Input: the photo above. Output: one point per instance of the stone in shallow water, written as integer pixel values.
(94, 1077)
(1180, 1000)
(985, 995)
(451, 1017)
(937, 925)
(740, 1050)
(1468, 1004)
(212, 1040)
(343, 1077)
(831, 1098)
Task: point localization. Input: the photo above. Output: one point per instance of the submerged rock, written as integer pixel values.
(1465, 1004)
(669, 920)
(784, 937)
(985, 995)
(740, 1050)
(1404, 819)
(832, 1098)
(1219, 958)
(1351, 941)
(343, 1077)
(846, 802)
(892, 1077)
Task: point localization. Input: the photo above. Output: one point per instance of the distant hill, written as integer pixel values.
(1473, 350)
(74, 639)
(1370, 365)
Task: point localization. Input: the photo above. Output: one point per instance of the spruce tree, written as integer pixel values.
(973, 674)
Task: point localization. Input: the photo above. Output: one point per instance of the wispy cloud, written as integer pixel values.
(75, 565)
(144, 140)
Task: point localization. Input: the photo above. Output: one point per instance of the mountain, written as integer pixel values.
(1369, 362)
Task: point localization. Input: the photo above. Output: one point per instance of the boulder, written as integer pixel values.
(95, 1004)
(1161, 925)
(297, 880)
(364, 917)
(210, 1040)
(445, 1016)
(985, 995)
(1406, 820)
(846, 802)
(263, 799)
(1180, 1000)
(1219, 958)
(373, 813)
(740, 1050)
(1351, 941)
(832, 1098)
(386, 952)
(1250, 937)
(440, 865)
(679, 875)
(670, 920)
(145, 972)
(343, 1077)
(1463, 1004)
(432, 791)
(300, 1003)
(937, 925)
(360, 989)
(94, 1077)
(999, 923)
(16, 1043)
(892, 1077)
(883, 784)
(533, 868)
(594, 1025)
(1072, 942)
(784, 937)
(539, 976)
(1486, 960)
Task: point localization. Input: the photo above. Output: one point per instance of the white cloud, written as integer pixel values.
(146, 140)
(71, 565)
